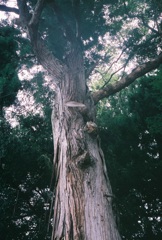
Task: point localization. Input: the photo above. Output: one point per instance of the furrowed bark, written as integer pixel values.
(83, 194)
(44, 56)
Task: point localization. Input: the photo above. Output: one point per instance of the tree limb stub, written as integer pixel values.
(75, 104)
(84, 161)
(127, 80)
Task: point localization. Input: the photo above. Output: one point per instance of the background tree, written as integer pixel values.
(9, 82)
(25, 177)
(130, 125)
(67, 38)
(26, 172)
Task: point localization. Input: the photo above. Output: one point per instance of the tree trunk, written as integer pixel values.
(83, 194)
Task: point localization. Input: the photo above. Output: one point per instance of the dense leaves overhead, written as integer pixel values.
(26, 177)
(65, 22)
(9, 82)
(134, 132)
(133, 27)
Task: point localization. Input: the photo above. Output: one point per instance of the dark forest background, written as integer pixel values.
(130, 123)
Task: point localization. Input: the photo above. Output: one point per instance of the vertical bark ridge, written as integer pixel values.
(69, 211)
(75, 64)
(99, 219)
(83, 198)
(82, 208)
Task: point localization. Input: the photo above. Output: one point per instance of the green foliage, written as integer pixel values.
(25, 176)
(130, 121)
(9, 82)
(130, 125)
(98, 25)
(133, 20)
(26, 181)
(66, 22)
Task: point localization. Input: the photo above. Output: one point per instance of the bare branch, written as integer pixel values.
(25, 17)
(94, 65)
(113, 75)
(122, 67)
(127, 80)
(4, 8)
(90, 69)
(142, 16)
(117, 59)
(147, 25)
(37, 13)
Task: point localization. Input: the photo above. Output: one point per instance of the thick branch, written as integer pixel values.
(37, 13)
(26, 18)
(48, 60)
(63, 22)
(44, 56)
(127, 80)
(4, 8)
(24, 13)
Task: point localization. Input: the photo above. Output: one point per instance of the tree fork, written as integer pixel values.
(82, 198)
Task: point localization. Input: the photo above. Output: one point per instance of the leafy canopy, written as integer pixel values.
(9, 81)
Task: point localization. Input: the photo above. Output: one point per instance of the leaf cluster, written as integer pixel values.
(9, 81)
(132, 129)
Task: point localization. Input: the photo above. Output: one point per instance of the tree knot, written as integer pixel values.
(91, 128)
(84, 161)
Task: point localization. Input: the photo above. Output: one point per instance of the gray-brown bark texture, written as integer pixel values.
(83, 193)
(82, 209)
